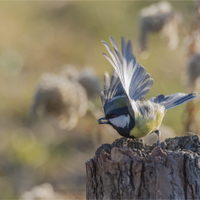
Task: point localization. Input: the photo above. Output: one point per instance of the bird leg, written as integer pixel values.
(159, 138)
(125, 143)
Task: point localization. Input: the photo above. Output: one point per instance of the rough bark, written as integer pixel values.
(132, 170)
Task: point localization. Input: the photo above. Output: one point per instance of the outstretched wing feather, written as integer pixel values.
(135, 81)
(112, 88)
(130, 72)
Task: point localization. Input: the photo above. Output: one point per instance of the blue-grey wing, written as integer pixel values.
(112, 89)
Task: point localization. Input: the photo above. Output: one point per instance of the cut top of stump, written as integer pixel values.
(128, 169)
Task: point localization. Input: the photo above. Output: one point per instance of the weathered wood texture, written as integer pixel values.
(135, 171)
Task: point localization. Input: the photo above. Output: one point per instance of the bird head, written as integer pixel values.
(120, 120)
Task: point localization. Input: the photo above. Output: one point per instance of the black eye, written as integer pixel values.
(109, 116)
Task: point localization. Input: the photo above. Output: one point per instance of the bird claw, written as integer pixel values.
(125, 143)
(159, 138)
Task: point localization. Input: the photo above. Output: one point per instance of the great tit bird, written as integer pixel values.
(122, 99)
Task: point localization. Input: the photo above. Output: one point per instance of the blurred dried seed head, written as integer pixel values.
(61, 98)
(196, 14)
(192, 43)
(70, 72)
(160, 18)
(90, 82)
(86, 77)
(193, 71)
(65, 96)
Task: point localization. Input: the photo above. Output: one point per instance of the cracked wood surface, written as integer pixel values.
(132, 170)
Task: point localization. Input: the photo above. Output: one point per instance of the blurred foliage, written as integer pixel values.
(39, 37)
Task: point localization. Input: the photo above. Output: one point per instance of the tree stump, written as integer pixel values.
(132, 170)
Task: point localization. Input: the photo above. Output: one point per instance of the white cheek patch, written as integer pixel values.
(121, 121)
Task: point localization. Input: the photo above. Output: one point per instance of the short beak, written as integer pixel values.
(103, 121)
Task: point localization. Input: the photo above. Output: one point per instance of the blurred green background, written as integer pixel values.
(39, 37)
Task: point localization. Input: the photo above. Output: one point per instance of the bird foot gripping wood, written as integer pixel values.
(159, 138)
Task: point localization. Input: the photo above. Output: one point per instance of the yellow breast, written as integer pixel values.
(147, 124)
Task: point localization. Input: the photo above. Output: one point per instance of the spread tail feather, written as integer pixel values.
(173, 100)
